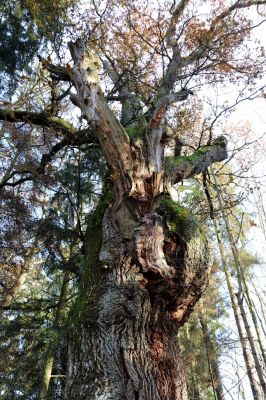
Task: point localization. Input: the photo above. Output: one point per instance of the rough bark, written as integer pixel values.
(148, 276)
(126, 344)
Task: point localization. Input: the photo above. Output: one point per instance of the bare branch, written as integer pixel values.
(57, 72)
(176, 14)
(237, 5)
(183, 167)
(41, 119)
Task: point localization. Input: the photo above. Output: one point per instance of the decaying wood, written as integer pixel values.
(149, 244)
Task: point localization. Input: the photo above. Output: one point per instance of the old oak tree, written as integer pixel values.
(134, 70)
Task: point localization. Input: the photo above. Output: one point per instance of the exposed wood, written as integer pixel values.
(149, 245)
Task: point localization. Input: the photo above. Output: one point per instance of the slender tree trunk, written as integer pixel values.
(196, 393)
(244, 294)
(249, 361)
(51, 346)
(251, 340)
(212, 357)
(47, 370)
(244, 340)
(254, 318)
(11, 293)
(261, 314)
(260, 206)
(242, 289)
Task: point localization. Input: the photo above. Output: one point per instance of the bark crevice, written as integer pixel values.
(142, 298)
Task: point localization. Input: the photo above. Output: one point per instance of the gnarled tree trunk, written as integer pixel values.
(149, 266)
(124, 345)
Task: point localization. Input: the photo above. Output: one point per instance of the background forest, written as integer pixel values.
(52, 176)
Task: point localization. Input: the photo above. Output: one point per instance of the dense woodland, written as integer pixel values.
(130, 195)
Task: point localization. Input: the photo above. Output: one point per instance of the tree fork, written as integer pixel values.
(144, 279)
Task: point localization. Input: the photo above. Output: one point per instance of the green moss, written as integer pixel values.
(174, 210)
(84, 309)
(61, 122)
(176, 161)
(179, 219)
(204, 149)
(189, 159)
(79, 310)
(135, 131)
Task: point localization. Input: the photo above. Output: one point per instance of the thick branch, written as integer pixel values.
(131, 105)
(89, 98)
(71, 137)
(176, 14)
(41, 119)
(162, 101)
(183, 167)
(165, 95)
(57, 72)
